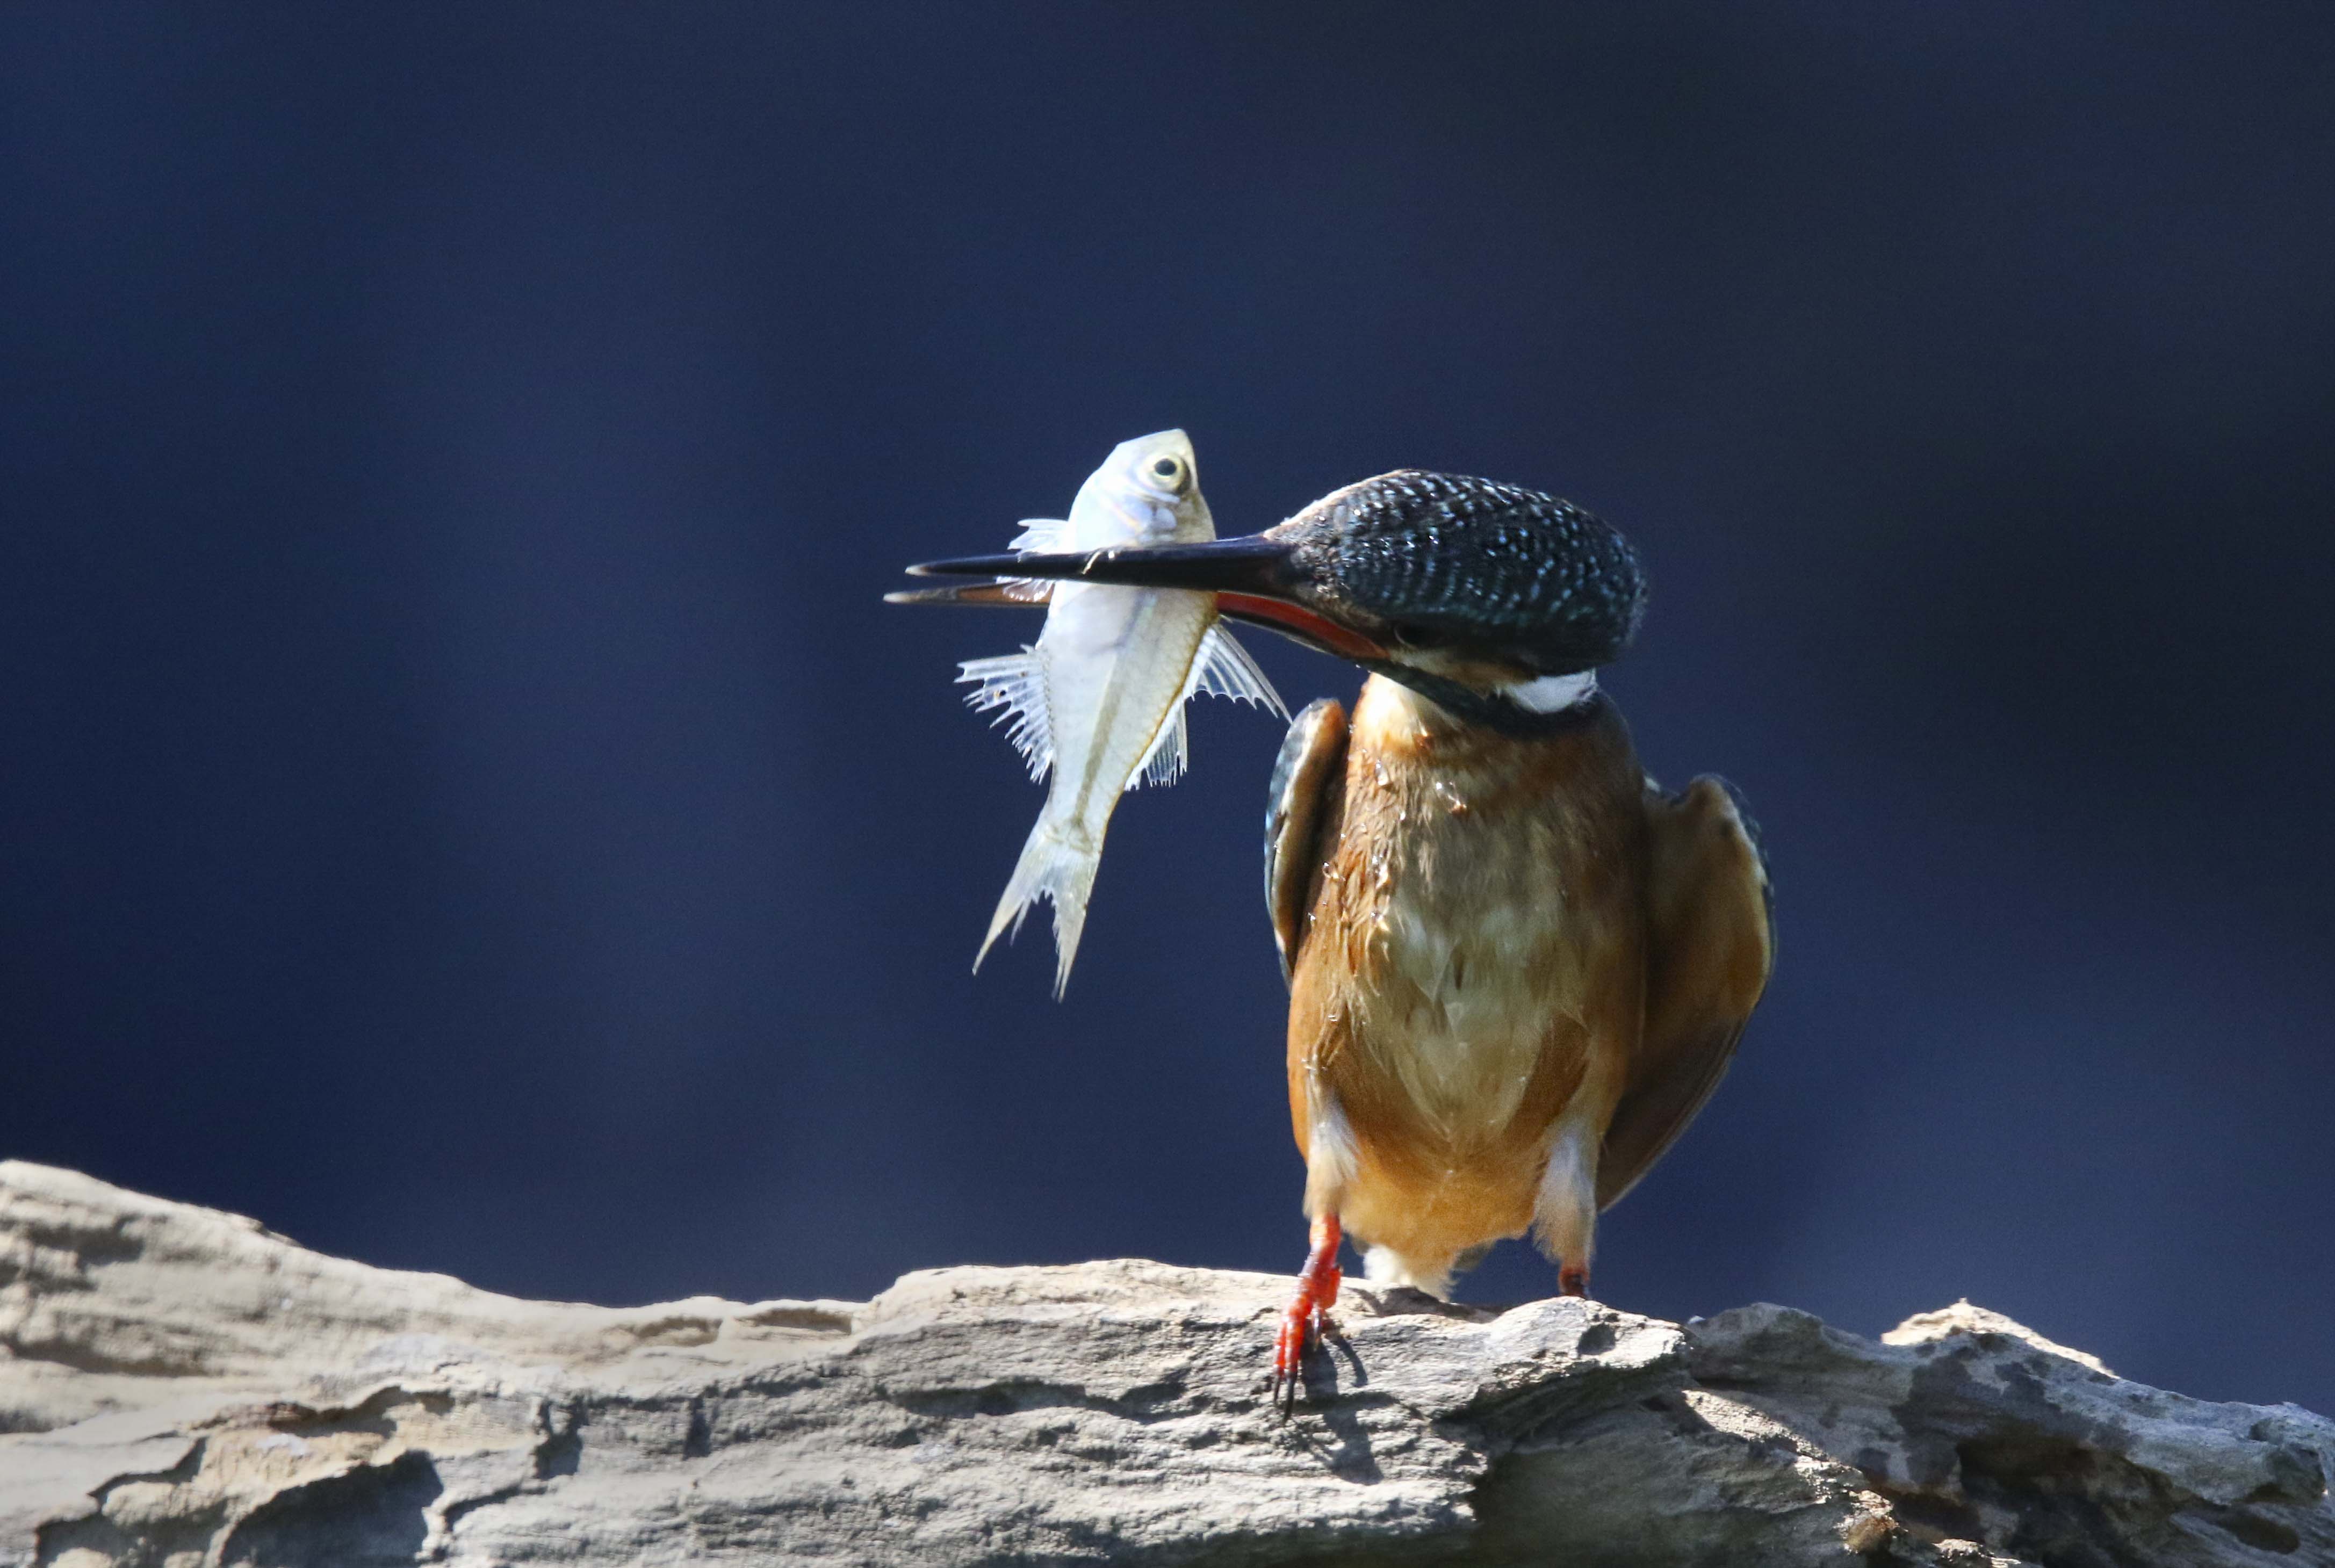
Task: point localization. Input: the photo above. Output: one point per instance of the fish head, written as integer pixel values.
(1146, 493)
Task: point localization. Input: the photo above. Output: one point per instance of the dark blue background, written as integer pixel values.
(465, 804)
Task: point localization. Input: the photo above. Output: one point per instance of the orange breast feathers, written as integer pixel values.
(1474, 970)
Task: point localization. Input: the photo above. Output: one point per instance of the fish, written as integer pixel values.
(1098, 700)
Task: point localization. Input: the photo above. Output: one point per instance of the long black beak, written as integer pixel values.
(1254, 564)
(1255, 577)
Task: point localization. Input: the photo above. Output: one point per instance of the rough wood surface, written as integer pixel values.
(181, 1386)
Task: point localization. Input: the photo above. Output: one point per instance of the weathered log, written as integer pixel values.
(180, 1386)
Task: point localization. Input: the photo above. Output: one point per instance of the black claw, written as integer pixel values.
(1286, 1390)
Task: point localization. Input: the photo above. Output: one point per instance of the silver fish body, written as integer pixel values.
(1098, 700)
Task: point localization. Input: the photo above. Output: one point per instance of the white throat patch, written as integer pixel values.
(1553, 693)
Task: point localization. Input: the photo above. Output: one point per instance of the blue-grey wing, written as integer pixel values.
(1306, 778)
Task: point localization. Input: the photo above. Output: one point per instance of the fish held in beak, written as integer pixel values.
(1098, 700)
(1257, 579)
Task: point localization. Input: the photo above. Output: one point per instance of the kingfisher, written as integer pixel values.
(1517, 966)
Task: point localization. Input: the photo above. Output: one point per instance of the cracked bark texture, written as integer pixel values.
(180, 1387)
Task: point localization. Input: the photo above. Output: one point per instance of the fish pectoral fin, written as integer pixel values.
(1017, 684)
(1005, 593)
(1041, 534)
(1170, 753)
(1224, 669)
(1038, 534)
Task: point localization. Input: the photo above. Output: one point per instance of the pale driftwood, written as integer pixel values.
(180, 1387)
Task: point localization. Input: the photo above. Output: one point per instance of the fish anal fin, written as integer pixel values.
(1015, 682)
(1170, 753)
(1221, 667)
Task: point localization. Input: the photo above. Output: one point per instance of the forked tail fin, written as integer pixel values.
(1054, 866)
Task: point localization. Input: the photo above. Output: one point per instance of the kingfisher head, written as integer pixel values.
(1496, 602)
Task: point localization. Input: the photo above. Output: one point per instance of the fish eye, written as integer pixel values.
(1168, 467)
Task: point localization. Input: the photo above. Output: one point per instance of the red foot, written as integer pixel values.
(1301, 1324)
(1572, 1279)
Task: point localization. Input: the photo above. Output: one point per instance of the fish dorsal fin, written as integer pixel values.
(1170, 753)
(1224, 669)
(1017, 684)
